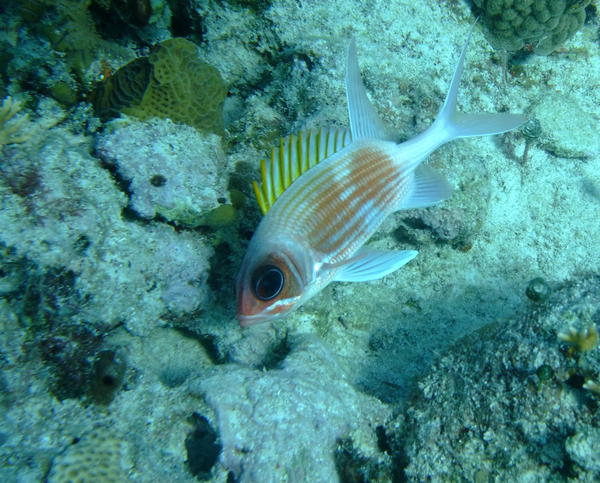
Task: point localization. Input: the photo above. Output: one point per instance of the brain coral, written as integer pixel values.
(170, 83)
(99, 456)
(542, 24)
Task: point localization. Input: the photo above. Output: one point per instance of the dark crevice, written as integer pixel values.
(207, 341)
(277, 354)
(202, 446)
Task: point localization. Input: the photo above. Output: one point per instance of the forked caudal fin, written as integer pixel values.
(451, 124)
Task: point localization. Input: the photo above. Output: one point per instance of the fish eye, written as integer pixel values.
(267, 282)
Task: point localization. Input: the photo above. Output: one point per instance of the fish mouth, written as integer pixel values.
(248, 320)
(274, 312)
(248, 315)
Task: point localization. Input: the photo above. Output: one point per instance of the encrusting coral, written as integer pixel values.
(182, 183)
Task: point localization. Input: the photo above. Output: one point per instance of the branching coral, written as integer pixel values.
(582, 340)
(11, 124)
(592, 386)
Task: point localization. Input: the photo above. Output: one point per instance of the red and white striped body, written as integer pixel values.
(323, 218)
(335, 207)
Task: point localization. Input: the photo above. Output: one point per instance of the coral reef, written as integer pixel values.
(29, 64)
(508, 403)
(115, 312)
(69, 28)
(172, 82)
(172, 170)
(283, 424)
(584, 449)
(61, 48)
(541, 25)
(73, 210)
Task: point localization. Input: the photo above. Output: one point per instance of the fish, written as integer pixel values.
(325, 192)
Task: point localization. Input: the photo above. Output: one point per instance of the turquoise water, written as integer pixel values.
(127, 207)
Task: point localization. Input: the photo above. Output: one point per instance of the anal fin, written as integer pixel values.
(429, 188)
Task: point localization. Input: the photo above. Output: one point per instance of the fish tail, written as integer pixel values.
(451, 124)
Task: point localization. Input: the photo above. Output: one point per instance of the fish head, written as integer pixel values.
(273, 280)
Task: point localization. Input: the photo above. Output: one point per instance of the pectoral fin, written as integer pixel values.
(370, 264)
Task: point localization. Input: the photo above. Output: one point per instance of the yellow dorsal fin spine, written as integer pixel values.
(297, 166)
(270, 180)
(264, 174)
(272, 170)
(332, 138)
(309, 150)
(264, 186)
(278, 185)
(318, 153)
(295, 155)
(289, 161)
(262, 203)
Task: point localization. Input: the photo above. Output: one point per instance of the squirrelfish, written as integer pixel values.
(324, 193)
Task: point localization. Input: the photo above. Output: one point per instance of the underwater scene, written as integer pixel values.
(298, 241)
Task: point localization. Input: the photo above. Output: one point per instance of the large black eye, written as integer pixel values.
(267, 282)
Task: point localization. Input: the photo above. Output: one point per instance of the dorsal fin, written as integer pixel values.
(296, 154)
(364, 121)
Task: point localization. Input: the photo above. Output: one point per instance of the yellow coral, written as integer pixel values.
(582, 340)
(170, 83)
(592, 386)
(100, 456)
(11, 126)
